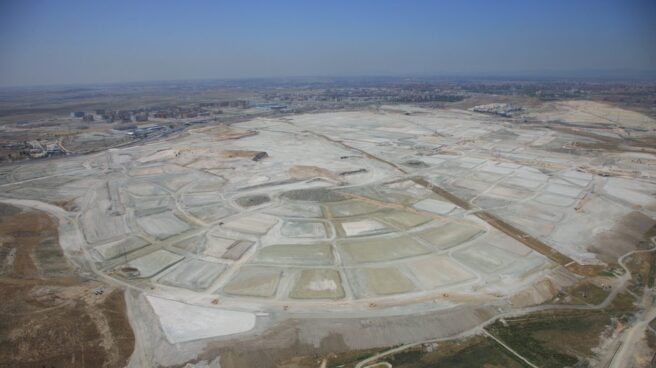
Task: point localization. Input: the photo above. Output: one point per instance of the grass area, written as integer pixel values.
(477, 351)
(623, 303)
(584, 294)
(351, 358)
(553, 339)
(642, 270)
(474, 352)
(652, 272)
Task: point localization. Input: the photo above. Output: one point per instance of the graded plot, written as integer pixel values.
(314, 195)
(435, 206)
(464, 162)
(303, 229)
(162, 225)
(254, 281)
(539, 212)
(438, 271)
(211, 213)
(505, 242)
(522, 182)
(119, 248)
(176, 182)
(380, 281)
(193, 274)
(555, 200)
(98, 226)
(215, 246)
(433, 160)
(498, 169)
(296, 254)
(404, 219)
(162, 155)
(252, 200)
(635, 193)
(192, 245)
(207, 322)
(472, 185)
(382, 193)
(509, 193)
(213, 184)
(576, 177)
(318, 284)
(485, 202)
(534, 225)
(564, 190)
(449, 235)
(484, 257)
(303, 210)
(465, 194)
(200, 199)
(236, 250)
(146, 171)
(383, 249)
(145, 189)
(408, 187)
(351, 208)
(524, 266)
(485, 176)
(153, 263)
(258, 224)
(148, 205)
(362, 227)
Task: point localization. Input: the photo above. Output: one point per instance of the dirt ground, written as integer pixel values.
(50, 316)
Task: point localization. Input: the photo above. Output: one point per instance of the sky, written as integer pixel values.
(100, 41)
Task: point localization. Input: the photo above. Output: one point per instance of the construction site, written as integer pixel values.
(350, 231)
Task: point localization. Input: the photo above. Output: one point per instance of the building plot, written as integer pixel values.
(152, 263)
(380, 249)
(295, 254)
(438, 271)
(435, 206)
(193, 274)
(304, 229)
(255, 281)
(258, 224)
(449, 235)
(119, 248)
(362, 227)
(178, 327)
(162, 225)
(403, 219)
(318, 284)
(379, 281)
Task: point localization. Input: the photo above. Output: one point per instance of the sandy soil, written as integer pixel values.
(51, 316)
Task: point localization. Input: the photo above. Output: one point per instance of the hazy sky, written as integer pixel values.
(68, 41)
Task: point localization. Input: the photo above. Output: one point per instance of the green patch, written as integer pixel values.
(623, 303)
(553, 339)
(586, 294)
(476, 351)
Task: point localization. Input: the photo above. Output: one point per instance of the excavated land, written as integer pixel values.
(339, 232)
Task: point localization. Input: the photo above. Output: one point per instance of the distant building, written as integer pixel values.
(88, 117)
(78, 114)
(146, 129)
(125, 116)
(100, 111)
(141, 117)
